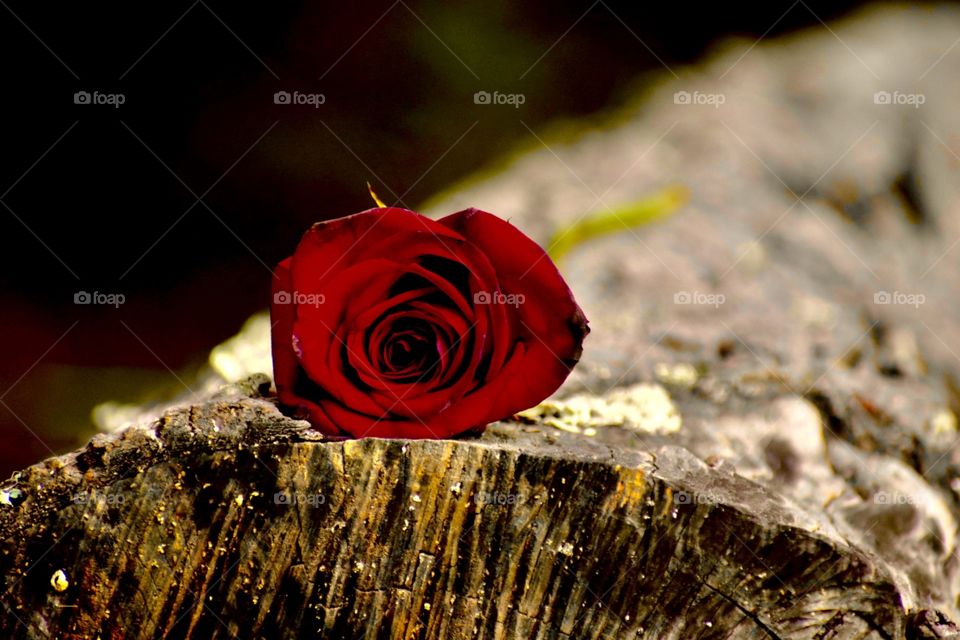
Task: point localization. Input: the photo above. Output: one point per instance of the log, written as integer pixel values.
(228, 519)
(760, 440)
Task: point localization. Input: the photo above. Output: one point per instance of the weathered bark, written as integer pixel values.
(779, 464)
(228, 519)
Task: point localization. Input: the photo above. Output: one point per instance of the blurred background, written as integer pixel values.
(147, 155)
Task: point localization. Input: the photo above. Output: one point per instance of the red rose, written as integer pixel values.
(387, 323)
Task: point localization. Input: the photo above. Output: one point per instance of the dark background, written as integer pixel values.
(93, 194)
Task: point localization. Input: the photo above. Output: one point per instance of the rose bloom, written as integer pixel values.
(387, 323)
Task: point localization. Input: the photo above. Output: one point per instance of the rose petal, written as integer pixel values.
(332, 246)
(552, 324)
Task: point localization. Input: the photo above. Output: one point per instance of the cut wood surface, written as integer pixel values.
(229, 519)
(760, 441)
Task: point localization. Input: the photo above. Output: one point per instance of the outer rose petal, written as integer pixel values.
(286, 368)
(552, 325)
(281, 336)
(332, 246)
